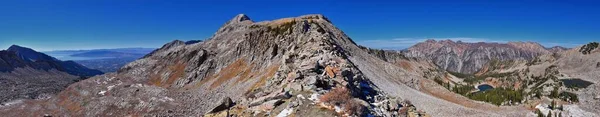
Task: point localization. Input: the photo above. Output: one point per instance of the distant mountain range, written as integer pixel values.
(19, 57)
(105, 60)
(100, 53)
(470, 57)
(26, 73)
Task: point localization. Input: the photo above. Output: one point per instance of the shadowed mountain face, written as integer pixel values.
(17, 56)
(28, 74)
(470, 57)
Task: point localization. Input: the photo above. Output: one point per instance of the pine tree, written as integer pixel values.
(549, 114)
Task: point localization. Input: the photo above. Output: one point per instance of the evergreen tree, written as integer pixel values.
(549, 114)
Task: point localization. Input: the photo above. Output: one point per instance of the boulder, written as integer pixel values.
(225, 104)
(346, 72)
(270, 105)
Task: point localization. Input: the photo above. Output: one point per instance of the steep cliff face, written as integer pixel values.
(470, 57)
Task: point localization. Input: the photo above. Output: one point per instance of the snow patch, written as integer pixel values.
(101, 92)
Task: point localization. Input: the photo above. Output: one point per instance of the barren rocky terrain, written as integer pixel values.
(28, 74)
(305, 66)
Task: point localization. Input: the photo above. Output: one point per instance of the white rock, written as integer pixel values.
(285, 112)
(300, 96)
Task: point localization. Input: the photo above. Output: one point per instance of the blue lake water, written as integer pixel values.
(576, 83)
(484, 87)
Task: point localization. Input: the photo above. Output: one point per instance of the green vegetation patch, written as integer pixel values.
(587, 48)
(498, 95)
(568, 96)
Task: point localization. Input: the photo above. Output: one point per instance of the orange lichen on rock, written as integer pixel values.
(331, 71)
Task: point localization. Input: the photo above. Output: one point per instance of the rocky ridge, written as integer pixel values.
(266, 68)
(470, 57)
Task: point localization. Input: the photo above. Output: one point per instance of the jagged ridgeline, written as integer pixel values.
(293, 66)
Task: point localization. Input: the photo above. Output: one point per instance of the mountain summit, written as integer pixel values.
(29, 54)
(27, 57)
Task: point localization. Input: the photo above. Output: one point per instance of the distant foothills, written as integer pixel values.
(105, 60)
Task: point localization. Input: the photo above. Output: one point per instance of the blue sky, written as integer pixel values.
(88, 24)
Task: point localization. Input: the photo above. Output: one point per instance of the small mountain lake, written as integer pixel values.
(484, 87)
(576, 83)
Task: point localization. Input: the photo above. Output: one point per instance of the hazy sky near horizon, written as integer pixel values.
(89, 24)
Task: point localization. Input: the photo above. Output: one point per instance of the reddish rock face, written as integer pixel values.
(471, 57)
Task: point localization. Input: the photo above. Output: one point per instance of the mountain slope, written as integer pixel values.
(470, 57)
(571, 74)
(27, 74)
(288, 66)
(26, 57)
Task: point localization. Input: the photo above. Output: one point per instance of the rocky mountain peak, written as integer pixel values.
(17, 48)
(430, 41)
(240, 18)
(557, 49)
(29, 54)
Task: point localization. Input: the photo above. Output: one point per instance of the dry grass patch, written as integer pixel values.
(341, 96)
(66, 102)
(229, 72)
(406, 65)
(271, 70)
(177, 71)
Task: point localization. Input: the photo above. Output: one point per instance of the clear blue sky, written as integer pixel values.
(87, 24)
